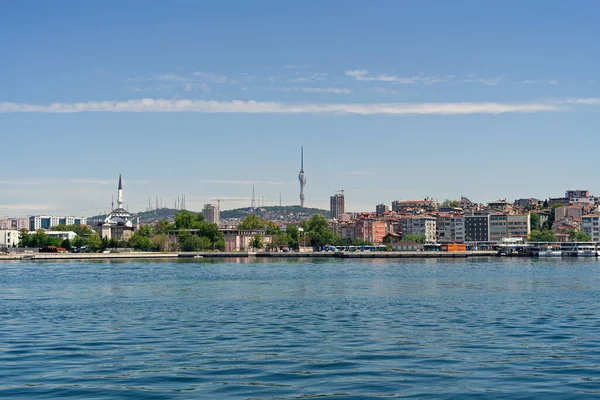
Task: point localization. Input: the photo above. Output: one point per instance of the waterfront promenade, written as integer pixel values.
(240, 254)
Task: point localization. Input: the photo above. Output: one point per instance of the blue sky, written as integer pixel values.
(390, 99)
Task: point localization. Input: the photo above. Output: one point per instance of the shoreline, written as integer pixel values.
(209, 255)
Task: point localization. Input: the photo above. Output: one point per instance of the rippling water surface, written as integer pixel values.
(488, 328)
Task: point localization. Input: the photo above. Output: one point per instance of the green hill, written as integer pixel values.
(272, 213)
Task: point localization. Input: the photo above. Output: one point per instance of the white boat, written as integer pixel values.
(580, 249)
(546, 251)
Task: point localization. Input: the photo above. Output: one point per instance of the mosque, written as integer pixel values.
(118, 224)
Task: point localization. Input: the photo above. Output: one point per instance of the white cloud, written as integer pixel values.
(530, 82)
(260, 107)
(315, 90)
(264, 107)
(359, 173)
(553, 82)
(591, 81)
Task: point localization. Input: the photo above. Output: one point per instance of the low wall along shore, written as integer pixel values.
(341, 254)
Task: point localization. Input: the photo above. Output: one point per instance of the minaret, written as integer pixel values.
(120, 195)
(301, 177)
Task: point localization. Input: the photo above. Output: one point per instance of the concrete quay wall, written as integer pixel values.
(191, 255)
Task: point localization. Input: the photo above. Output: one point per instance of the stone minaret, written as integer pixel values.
(120, 195)
(301, 177)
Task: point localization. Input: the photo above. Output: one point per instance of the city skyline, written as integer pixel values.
(392, 100)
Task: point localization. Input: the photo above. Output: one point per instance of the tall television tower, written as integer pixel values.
(301, 177)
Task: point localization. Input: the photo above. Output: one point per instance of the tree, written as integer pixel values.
(186, 220)
(271, 229)
(79, 242)
(578, 236)
(194, 243)
(140, 241)
(317, 230)
(278, 241)
(77, 228)
(413, 238)
(94, 242)
(534, 221)
(252, 223)
(163, 226)
(293, 235)
(160, 242)
(545, 205)
(450, 203)
(66, 244)
(545, 235)
(257, 242)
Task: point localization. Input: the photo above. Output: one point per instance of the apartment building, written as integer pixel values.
(346, 229)
(573, 212)
(414, 205)
(212, 214)
(48, 221)
(337, 206)
(590, 225)
(477, 228)
(509, 226)
(371, 230)
(450, 228)
(423, 225)
(9, 238)
(381, 209)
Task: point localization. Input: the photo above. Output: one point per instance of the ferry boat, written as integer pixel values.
(546, 250)
(576, 249)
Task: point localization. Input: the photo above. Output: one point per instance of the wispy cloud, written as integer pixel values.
(54, 181)
(314, 77)
(212, 78)
(315, 89)
(196, 87)
(363, 75)
(538, 81)
(161, 78)
(359, 173)
(382, 90)
(585, 101)
(245, 182)
(263, 107)
(27, 207)
(483, 81)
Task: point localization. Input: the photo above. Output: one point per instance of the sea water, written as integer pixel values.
(489, 327)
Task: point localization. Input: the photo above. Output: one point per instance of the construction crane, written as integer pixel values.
(340, 191)
(218, 202)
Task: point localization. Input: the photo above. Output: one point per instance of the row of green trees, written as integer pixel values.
(313, 232)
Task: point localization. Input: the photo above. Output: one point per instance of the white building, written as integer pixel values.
(420, 225)
(63, 235)
(9, 238)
